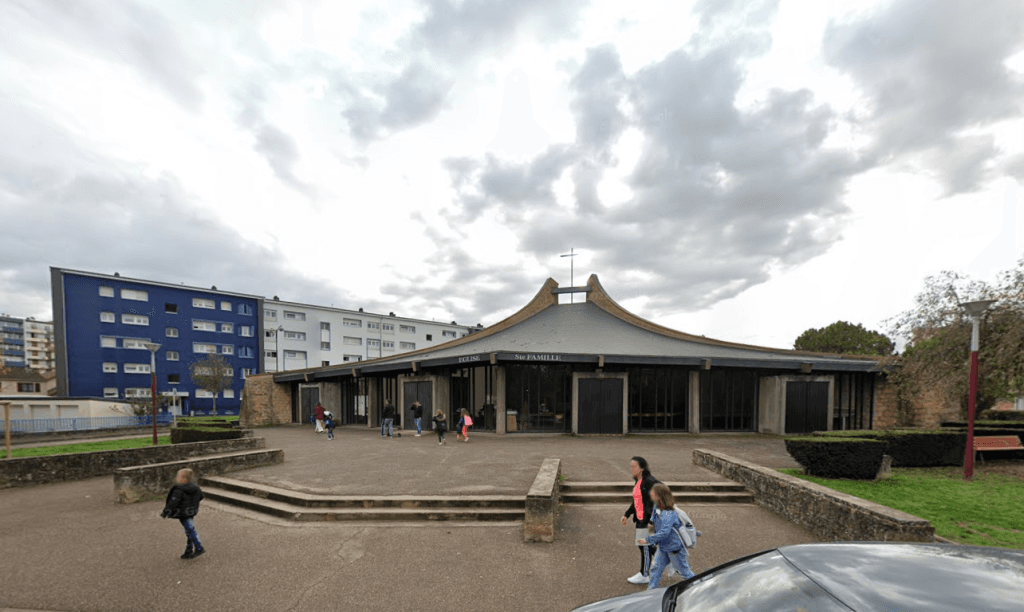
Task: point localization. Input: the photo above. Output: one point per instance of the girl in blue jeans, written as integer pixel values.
(666, 523)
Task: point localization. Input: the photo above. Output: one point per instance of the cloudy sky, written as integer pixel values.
(742, 169)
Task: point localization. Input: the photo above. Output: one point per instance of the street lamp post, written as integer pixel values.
(153, 348)
(974, 310)
(280, 330)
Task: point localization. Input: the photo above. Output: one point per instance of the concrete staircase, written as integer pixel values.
(297, 506)
(685, 493)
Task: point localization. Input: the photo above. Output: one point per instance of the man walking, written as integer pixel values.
(417, 416)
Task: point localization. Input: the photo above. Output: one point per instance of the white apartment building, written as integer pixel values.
(39, 352)
(299, 336)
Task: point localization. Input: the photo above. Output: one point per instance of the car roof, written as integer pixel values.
(909, 576)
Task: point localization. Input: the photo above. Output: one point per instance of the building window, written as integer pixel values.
(173, 378)
(389, 327)
(172, 355)
(227, 349)
(407, 329)
(372, 325)
(245, 309)
(106, 292)
(228, 394)
(110, 367)
(107, 317)
(295, 336)
(407, 346)
(270, 354)
(248, 372)
(295, 316)
(136, 368)
(246, 331)
(389, 345)
(448, 334)
(134, 319)
(134, 343)
(325, 346)
(203, 393)
(269, 333)
(269, 314)
(109, 391)
(352, 341)
(352, 358)
(108, 341)
(171, 308)
(325, 363)
(352, 323)
(171, 332)
(204, 303)
(295, 354)
(227, 328)
(429, 337)
(135, 294)
(137, 392)
(28, 387)
(209, 326)
(199, 347)
(245, 352)
(372, 342)
(225, 306)
(324, 326)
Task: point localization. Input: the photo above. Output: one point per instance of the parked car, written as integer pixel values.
(846, 576)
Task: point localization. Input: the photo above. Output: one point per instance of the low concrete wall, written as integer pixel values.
(542, 503)
(829, 514)
(143, 482)
(25, 471)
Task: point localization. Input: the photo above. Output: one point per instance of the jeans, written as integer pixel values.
(661, 560)
(389, 427)
(419, 428)
(190, 533)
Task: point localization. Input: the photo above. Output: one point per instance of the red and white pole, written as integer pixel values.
(971, 397)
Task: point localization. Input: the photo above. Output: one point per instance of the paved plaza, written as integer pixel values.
(70, 547)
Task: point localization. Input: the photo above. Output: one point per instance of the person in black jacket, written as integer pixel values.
(417, 417)
(387, 424)
(641, 510)
(183, 504)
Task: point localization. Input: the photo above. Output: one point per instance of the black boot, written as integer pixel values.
(198, 552)
(188, 552)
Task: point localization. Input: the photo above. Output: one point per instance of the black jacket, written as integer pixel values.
(417, 412)
(646, 482)
(389, 411)
(441, 422)
(182, 501)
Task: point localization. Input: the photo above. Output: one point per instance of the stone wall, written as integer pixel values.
(24, 471)
(265, 402)
(144, 482)
(542, 503)
(828, 514)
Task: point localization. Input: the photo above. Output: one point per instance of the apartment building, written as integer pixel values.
(110, 330)
(12, 342)
(298, 336)
(39, 353)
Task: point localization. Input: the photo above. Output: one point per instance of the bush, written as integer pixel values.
(182, 435)
(915, 447)
(835, 457)
(1001, 415)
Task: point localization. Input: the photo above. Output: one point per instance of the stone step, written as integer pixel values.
(683, 499)
(319, 501)
(676, 487)
(299, 506)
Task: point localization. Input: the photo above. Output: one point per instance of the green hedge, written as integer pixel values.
(1002, 415)
(914, 447)
(182, 435)
(837, 457)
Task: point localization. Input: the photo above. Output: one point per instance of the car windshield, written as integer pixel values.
(763, 583)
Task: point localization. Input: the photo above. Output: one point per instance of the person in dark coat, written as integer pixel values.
(388, 424)
(641, 510)
(183, 504)
(440, 425)
(417, 417)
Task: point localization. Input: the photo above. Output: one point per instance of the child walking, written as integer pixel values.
(329, 424)
(183, 504)
(440, 425)
(465, 422)
(666, 536)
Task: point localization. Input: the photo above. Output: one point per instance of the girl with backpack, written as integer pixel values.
(667, 536)
(464, 424)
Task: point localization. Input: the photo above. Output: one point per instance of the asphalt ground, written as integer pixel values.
(69, 546)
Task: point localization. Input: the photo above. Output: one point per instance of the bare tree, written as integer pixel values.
(211, 373)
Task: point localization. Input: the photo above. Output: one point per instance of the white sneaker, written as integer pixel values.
(672, 571)
(418, 435)
(638, 579)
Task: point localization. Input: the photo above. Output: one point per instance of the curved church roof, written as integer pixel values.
(597, 330)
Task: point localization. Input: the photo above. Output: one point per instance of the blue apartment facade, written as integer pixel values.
(104, 326)
(12, 342)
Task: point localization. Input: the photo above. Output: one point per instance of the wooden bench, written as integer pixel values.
(996, 443)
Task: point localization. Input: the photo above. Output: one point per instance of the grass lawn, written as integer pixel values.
(84, 447)
(987, 511)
